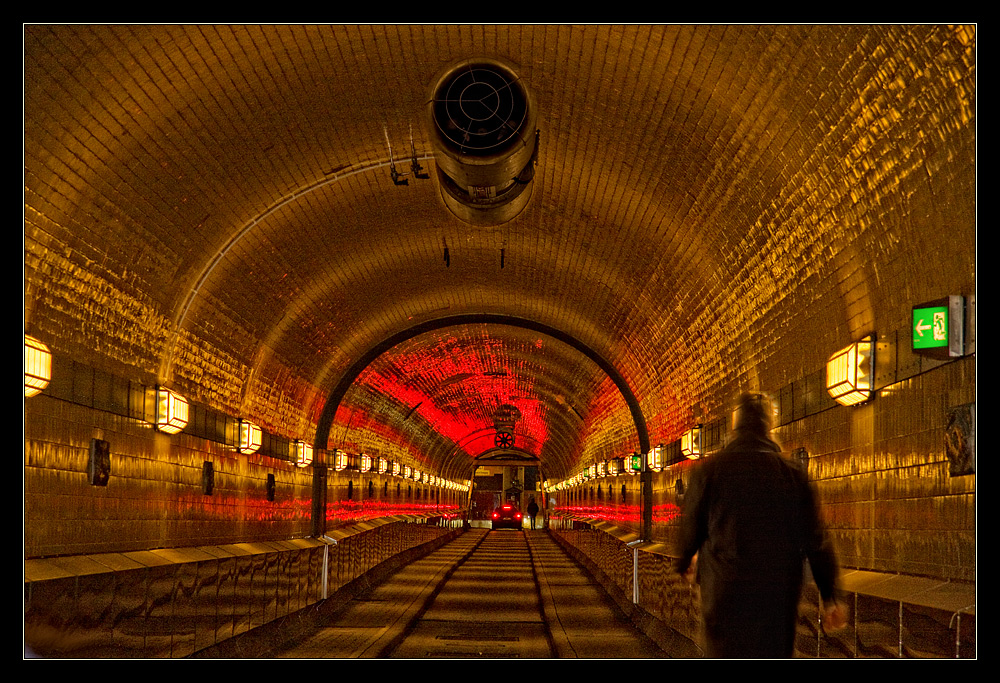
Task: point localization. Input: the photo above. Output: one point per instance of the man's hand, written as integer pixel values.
(834, 616)
(691, 575)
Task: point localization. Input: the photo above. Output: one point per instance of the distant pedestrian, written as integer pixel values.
(750, 519)
(532, 511)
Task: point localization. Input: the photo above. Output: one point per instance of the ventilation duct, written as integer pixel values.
(484, 140)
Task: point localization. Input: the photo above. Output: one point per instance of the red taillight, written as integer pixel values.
(496, 515)
(517, 516)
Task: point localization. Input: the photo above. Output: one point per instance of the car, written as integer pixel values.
(507, 516)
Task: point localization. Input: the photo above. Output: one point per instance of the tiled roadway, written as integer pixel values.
(502, 594)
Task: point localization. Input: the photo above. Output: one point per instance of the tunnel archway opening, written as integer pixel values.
(354, 371)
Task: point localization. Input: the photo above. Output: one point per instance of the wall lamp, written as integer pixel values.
(37, 366)
(383, 465)
(171, 411)
(302, 453)
(339, 461)
(691, 443)
(654, 459)
(250, 438)
(849, 373)
(366, 463)
(397, 469)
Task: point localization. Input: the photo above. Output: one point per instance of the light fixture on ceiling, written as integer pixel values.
(485, 141)
(849, 373)
(37, 366)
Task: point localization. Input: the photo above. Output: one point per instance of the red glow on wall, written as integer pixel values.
(358, 511)
(623, 515)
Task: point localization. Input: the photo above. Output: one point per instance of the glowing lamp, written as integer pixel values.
(654, 459)
(366, 463)
(171, 411)
(849, 373)
(614, 466)
(691, 443)
(37, 366)
(601, 469)
(250, 437)
(417, 474)
(397, 469)
(383, 465)
(339, 461)
(302, 453)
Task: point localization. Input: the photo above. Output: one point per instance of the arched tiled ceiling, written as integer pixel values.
(211, 206)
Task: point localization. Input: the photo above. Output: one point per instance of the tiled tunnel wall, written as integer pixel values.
(724, 231)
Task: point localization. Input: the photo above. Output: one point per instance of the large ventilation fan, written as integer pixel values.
(484, 139)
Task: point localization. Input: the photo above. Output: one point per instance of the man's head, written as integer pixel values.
(753, 414)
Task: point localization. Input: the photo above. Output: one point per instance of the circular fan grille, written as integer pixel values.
(480, 109)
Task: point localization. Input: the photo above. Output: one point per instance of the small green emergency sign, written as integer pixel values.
(930, 327)
(937, 327)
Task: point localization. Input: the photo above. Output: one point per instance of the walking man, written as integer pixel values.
(750, 520)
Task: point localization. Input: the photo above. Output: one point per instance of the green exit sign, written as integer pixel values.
(937, 327)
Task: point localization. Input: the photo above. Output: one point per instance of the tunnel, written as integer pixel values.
(253, 221)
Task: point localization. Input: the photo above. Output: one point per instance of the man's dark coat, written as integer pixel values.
(751, 516)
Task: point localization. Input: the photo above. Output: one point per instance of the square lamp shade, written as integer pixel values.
(302, 453)
(654, 460)
(250, 437)
(37, 366)
(849, 373)
(691, 443)
(339, 461)
(366, 463)
(171, 411)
